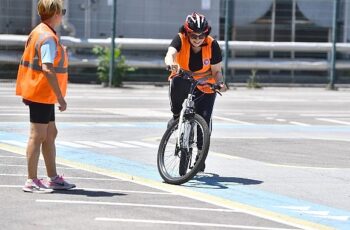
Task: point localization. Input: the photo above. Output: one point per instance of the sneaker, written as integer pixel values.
(36, 186)
(58, 183)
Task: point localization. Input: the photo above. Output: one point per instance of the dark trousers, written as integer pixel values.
(178, 92)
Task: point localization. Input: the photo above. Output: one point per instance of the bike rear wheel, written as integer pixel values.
(177, 164)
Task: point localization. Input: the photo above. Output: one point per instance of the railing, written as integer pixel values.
(162, 44)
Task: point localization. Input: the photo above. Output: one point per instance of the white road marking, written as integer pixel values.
(281, 120)
(233, 120)
(295, 207)
(134, 205)
(102, 190)
(12, 157)
(135, 112)
(188, 223)
(71, 144)
(13, 114)
(299, 123)
(325, 115)
(143, 144)
(24, 166)
(339, 218)
(319, 214)
(13, 142)
(67, 177)
(94, 144)
(232, 114)
(268, 114)
(119, 144)
(333, 121)
(89, 144)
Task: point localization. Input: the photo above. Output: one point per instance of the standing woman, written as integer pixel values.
(194, 50)
(42, 82)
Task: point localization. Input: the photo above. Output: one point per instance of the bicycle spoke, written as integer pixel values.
(178, 162)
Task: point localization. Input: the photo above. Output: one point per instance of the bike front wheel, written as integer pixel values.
(180, 162)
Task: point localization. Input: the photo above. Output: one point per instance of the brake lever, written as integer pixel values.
(216, 88)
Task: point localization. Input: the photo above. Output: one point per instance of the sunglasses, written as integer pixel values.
(195, 36)
(63, 11)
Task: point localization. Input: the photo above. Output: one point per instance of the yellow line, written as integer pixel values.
(277, 217)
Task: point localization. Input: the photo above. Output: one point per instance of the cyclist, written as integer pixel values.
(194, 50)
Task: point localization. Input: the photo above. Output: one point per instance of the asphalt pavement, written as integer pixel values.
(279, 159)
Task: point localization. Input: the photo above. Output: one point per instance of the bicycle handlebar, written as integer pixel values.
(189, 76)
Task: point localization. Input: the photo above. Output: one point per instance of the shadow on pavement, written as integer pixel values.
(214, 181)
(89, 193)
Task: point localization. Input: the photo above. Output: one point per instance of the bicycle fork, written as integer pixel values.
(184, 128)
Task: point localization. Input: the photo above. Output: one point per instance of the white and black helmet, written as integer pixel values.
(196, 23)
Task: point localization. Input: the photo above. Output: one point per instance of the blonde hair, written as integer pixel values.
(48, 8)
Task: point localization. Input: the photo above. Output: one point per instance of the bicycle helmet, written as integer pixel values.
(196, 23)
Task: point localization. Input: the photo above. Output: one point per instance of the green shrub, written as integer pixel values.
(253, 81)
(120, 69)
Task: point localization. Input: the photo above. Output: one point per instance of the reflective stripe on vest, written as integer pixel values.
(37, 67)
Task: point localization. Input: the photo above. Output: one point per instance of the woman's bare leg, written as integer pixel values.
(37, 136)
(49, 150)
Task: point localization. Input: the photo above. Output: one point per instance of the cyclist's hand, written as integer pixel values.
(223, 87)
(175, 68)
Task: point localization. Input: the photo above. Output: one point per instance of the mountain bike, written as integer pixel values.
(185, 144)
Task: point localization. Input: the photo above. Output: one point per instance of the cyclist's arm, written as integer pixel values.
(170, 59)
(170, 56)
(217, 74)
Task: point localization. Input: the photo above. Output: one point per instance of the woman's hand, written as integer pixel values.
(62, 104)
(223, 87)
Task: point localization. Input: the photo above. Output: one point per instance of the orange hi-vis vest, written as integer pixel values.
(32, 84)
(183, 59)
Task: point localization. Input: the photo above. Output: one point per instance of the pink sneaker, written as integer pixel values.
(36, 186)
(58, 183)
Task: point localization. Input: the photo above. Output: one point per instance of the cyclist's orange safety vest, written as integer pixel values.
(183, 59)
(32, 84)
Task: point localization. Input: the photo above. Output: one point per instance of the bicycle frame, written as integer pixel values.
(187, 109)
(191, 136)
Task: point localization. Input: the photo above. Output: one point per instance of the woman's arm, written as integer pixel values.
(170, 58)
(50, 74)
(217, 74)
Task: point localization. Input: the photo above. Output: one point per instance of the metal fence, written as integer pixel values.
(286, 40)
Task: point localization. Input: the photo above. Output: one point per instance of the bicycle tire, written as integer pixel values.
(202, 154)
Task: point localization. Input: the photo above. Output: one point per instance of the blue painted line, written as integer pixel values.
(209, 185)
(270, 201)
